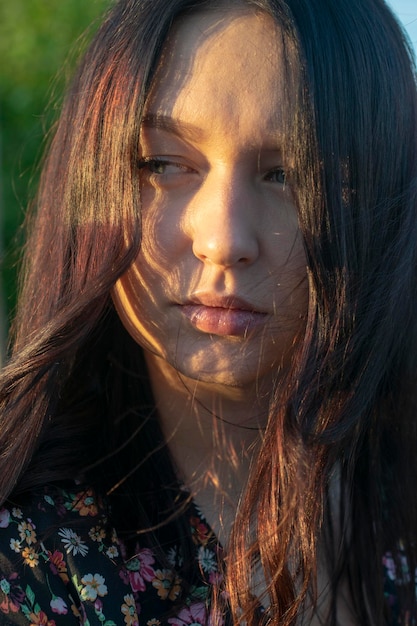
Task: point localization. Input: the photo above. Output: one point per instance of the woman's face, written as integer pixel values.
(219, 289)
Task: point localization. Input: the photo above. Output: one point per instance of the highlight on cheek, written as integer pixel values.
(128, 306)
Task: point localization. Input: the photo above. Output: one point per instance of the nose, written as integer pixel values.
(223, 223)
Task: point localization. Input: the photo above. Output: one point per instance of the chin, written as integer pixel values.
(233, 374)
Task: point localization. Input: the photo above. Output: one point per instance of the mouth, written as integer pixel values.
(223, 315)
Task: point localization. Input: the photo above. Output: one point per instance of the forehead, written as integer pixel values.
(221, 62)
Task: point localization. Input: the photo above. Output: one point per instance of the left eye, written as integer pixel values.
(276, 176)
(161, 166)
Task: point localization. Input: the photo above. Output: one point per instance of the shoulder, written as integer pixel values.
(60, 560)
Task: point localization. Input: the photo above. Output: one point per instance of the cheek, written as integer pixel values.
(132, 299)
(163, 238)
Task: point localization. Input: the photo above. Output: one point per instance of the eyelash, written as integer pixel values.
(152, 164)
(282, 175)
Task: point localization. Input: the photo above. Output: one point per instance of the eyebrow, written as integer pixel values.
(175, 126)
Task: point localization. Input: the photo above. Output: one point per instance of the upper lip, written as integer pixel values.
(223, 302)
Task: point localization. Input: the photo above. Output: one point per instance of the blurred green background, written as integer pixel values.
(40, 41)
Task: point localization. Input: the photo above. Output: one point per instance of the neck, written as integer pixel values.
(213, 432)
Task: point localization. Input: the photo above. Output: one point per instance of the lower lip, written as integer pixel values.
(223, 322)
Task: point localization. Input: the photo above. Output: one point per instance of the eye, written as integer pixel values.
(276, 175)
(161, 167)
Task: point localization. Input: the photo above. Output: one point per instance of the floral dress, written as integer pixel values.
(61, 564)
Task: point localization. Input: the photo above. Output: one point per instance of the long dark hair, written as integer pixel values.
(346, 411)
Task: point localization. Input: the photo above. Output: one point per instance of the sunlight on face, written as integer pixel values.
(219, 290)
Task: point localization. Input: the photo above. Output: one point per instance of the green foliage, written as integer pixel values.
(36, 38)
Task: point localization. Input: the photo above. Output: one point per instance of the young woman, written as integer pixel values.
(209, 411)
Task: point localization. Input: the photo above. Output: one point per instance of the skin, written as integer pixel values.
(219, 227)
(218, 223)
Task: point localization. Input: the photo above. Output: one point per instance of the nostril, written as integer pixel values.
(225, 250)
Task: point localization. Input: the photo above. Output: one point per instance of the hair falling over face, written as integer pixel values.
(329, 463)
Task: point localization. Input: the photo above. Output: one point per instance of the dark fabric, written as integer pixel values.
(62, 564)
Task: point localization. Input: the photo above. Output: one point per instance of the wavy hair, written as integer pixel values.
(346, 412)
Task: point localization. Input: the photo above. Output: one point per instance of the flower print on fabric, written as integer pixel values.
(4, 518)
(15, 545)
(13, 594)
(112, 552)
(201, 533)
(58, 563)
(58, 566)
(72, 542)
(58, 605)
(62, 564)
(40, 618)
(30, 557)
(93, 586)
(207, 560)
(194, 614)
(84, 502)
(129, 611)
(167, 584)
(27, 532)
(97, 533)
(33, 612)
(139, 568)
(397, 574)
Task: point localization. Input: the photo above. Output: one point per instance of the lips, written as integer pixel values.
(224, 316)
